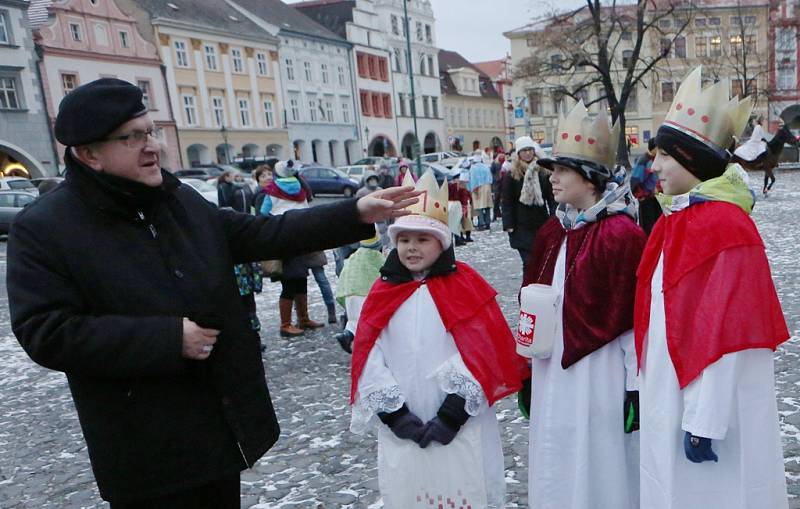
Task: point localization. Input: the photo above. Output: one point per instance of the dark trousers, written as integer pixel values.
(523, 254)
(291, 288)
(222, 494)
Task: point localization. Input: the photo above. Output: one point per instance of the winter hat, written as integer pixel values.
(424, 224)
(285, 169)
(93, 111)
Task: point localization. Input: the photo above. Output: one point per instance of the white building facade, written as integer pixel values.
(425, 68)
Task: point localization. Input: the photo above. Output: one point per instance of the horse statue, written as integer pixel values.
(761, 155)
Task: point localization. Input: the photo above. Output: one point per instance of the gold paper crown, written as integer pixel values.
(580, 137)
(433, 200)
(708, 115)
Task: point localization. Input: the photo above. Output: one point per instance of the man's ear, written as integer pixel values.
(87, 154)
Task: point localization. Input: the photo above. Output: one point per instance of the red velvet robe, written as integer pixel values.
(466, 303)
(600, 281)
(719, 297)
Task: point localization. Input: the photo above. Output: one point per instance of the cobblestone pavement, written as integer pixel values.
(318, 463)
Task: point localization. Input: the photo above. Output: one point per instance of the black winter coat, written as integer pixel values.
(97, 289)
(524, 219)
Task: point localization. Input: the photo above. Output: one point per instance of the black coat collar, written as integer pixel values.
(114, 194)
(395, 272)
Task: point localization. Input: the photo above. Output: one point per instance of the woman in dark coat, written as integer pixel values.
(526, 198)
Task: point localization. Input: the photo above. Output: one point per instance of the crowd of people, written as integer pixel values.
(643, 356)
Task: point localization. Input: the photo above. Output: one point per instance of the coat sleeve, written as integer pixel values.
(50, 321)
(708, 400)
(507, 205)
(378, 391)
(252, 238)
(626, 343)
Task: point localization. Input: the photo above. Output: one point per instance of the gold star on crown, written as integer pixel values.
(708, 115)
(433, 200)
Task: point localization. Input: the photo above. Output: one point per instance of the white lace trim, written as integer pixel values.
(454, 378)
(366, 408)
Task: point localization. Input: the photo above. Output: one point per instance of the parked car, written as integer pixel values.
(18, 184)
(248, 164)
(327, 180)
(441, 172)
(11, 202)
(435, 157)
(204, 187)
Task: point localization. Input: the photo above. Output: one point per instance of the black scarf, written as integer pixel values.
(701, 160)
(394, 271)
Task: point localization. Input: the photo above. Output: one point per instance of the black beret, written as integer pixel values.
(92, 111)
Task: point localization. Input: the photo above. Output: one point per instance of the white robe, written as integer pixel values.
(731, 402)
(416, 361)
(580, 456)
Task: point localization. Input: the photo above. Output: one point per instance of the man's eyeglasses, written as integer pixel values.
(137, 139)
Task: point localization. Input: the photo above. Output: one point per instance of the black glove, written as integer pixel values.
(403, 423)
(449, 419)
(345, 339)
(698, 449)
(524, 399)
(630, 414)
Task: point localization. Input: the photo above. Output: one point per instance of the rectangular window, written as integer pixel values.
(5, 33)
(329, 110)
(366, 105)
(435, 107)
(401, 104)
(752, 88)
(289, 69)
(633, 100)
(144, 86)
(664, 23)
(422, 63)
(124, 40)
(218, 110)
(211, 57)
(700, 46)
(714, 21)
(715, 44)
(340, 72)
(395, 25)
(736, 88)
(737, 44)
(181, 57)
(361, 64)
(269, 118)
(236, 58)
(419, 31)
(377, 105)
(679, 46)
(749, 20)
(75, 32)
(294, 105)
(750, 44)
(736, 20)
(372, 61)
(261, 64)
(307, 71)
(383, 69)
(387, 105)
(430, 66)
(557, 97)
(190, 110)
(244, 112)
(627, 58)
(667, 92)
(346, 110)
(406, 22)
(8, 94)
(785, 75)
(535, 102)
(312, 109)
(428, 34)
(700, 22)
(324, 72)
(666, 47)
(398, 60)
(469, 117)
(69, 82)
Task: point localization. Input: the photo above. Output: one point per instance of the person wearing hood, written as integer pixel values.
(370, 185)
(582, 447)
(432, 355)
(480, 185)
(707, 321)
(121, 278)
(526, 197)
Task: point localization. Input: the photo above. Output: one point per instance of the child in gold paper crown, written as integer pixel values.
(432, 354)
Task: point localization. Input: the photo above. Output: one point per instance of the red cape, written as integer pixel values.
(466, 303)
(718, 292)
(599, 291)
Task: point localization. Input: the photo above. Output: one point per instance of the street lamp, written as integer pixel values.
(225, 141)
(366, 140)
(416, 148)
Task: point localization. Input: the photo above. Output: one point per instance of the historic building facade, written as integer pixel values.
(26, 143)
(83, 40)
(784, 64)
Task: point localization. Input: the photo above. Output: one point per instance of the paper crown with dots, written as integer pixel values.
(433, 200)
(580, 137)
(708, 115)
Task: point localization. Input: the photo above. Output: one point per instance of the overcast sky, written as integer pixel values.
(475, 28)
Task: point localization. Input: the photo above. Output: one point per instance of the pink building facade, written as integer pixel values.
(84, 40)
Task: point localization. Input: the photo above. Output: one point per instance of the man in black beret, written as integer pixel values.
(122, 278)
